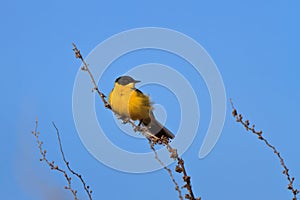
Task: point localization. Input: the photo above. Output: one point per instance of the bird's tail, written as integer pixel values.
(157, 128)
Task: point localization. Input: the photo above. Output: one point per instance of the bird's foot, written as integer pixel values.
(125, 120)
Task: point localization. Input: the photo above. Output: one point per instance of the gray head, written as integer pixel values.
(124, 80)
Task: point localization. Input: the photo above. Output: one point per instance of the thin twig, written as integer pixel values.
(86, 68)
(51, 164)
(167, 169)
(180, 168)
(85, 186)
(246, 124)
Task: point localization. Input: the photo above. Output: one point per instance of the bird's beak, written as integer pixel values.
(135, 81)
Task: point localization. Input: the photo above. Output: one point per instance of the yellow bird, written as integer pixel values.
(129, 102)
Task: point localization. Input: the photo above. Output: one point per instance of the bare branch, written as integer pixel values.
(145, 132)
(167, 169)
(86, 68)
(85, 186)
(246, 124)
(180, 168)
(51, 164)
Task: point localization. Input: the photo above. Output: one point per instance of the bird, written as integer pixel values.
(128, 102)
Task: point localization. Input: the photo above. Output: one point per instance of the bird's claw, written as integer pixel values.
(125, 120)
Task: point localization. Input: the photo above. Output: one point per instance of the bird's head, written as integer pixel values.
(126, 80)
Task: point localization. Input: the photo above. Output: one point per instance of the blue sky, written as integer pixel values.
(254, 44)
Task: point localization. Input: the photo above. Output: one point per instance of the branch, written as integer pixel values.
(51, 164)
(85, 186)
(166, 168)
(246, 124)
(145, 132)
(86, 68)
(180, 168)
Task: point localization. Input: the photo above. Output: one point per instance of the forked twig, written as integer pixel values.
(51, 164)
(180, 168)
(85, 186)
(167, 169)
(246, 124)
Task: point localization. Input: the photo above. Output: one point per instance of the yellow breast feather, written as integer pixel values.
(127, 101)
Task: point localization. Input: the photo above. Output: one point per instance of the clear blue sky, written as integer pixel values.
(254, 44)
